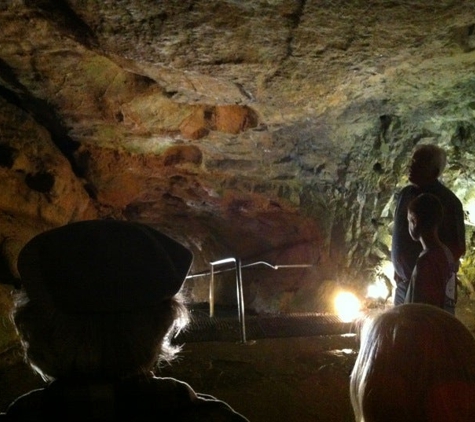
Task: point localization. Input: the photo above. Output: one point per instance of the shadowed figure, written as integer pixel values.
(100, 304)
(433, 279)
(426, 166)
(416, 364)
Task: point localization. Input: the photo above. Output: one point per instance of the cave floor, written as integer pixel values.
(292, 378)
(226, 325)
(289, 377)
(274, 379)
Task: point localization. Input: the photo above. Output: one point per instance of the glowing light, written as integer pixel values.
(378, 290)
(347, 306)
(387, 269)
(381, 287)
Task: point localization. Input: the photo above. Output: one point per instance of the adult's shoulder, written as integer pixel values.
(198, 406)
(404, 192)
(26, 408)
(446, 194)
(210, 409)
(405, 189)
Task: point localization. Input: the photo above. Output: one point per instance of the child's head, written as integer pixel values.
(416, 364)
(424, 215)
(100, 299)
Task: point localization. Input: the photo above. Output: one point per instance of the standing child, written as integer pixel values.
(433, 279)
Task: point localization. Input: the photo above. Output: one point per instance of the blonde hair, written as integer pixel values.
(416, 364)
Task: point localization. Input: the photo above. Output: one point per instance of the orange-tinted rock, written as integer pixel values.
(182, 154)
(195, 126)
(234, 118)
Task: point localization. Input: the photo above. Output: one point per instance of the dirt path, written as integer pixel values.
(292, 379)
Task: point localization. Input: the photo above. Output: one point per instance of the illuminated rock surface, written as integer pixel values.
(262, 130)
(270, 130)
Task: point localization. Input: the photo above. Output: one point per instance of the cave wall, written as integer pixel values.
(274, 131)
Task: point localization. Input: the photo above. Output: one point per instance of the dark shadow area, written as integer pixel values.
(40, 110)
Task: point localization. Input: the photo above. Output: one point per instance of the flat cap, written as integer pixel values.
(103, 266)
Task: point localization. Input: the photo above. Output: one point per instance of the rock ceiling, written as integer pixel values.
(273, 129)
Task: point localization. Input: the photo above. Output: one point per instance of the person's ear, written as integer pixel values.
(435, 173)
(415, 220)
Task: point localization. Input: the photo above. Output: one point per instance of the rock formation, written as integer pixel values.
(264, 130)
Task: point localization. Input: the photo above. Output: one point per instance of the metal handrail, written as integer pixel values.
(274, 267)
(239, 289)
(239, 292)
(277, 267)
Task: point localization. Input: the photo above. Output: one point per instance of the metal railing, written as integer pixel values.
(239, 287)
(239, 292)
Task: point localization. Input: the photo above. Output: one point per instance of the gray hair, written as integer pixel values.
(114, 345)
(437, 157)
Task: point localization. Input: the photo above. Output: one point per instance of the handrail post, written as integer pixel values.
(240, 299)
(239, 285)
(239, 292)
(211, 293)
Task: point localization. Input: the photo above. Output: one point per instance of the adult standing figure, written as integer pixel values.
(100, 306)
(426, 166)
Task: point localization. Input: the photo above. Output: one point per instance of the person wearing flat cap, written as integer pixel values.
(99, 305)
